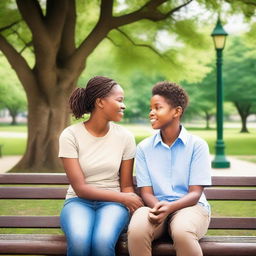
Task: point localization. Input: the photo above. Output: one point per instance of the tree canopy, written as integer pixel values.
(239, 75)
(61, 35)
(12, 95)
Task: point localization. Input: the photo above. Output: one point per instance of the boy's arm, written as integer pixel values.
(148, 196)
(162, 209)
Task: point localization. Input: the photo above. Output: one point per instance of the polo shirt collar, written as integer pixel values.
(183, 136)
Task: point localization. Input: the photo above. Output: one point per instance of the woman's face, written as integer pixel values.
(113, 104)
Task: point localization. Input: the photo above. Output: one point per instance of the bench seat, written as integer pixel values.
(224, 188)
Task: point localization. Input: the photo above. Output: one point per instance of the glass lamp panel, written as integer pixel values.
(219, 41)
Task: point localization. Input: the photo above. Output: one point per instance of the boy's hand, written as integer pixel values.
(159, 213)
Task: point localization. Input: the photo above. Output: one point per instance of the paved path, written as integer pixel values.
(238, 167)
(7, 162)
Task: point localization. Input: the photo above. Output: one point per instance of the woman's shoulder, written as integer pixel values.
(72, 129)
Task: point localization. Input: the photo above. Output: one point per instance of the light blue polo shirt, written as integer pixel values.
(171, 170)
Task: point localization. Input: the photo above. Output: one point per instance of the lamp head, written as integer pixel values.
(219, 36)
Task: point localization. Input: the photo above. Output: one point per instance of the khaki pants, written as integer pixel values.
(185, 226)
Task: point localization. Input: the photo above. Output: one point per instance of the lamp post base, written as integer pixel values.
(220, 162)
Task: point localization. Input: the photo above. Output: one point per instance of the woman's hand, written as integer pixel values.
(159, 213)
(131, 201)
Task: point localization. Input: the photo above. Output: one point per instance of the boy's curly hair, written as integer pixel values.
(173, 93)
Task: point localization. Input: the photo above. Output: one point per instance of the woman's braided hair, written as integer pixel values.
(82, 100)
(173, 93)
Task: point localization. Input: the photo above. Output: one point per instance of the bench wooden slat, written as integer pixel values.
(33, 244)
(56, 245)
(35, 178)
(248, 223)
(60, 178)
(60, 192)
(32, 192)
(29, 222)
(234, 181)
(230, 194)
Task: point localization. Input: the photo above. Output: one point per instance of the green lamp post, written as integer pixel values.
(219, 38)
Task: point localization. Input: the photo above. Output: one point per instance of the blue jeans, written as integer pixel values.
(92, 227)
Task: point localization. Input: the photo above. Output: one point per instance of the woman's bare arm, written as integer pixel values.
(87, 191)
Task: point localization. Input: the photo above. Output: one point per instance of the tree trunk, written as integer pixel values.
(14, 116)
(46, 120)
(244, 126)
(207, 118)
(243, 109)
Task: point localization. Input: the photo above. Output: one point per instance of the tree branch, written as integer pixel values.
(56, 12)
(33, 16)
(18, 63)
(25, 47)
(67, 44)
(98, 33)
(19, 37)
(106, 9)
(9, 26)
(112, 41)
(140, 45)
(148, 11)
(177, 8)
(26, 44)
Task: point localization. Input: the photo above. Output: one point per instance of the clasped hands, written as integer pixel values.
(159, 212)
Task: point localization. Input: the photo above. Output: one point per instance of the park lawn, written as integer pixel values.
(248, 158)
(13, 146)
(236, 143)
(13, 128)
(53, 207)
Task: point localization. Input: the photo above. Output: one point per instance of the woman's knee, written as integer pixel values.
(110, 221)
(77, 221)
(103, 246)
(78, 245)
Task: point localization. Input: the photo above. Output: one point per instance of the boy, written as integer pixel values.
(172, 168)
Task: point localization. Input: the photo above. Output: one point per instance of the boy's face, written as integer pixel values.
(162, 114)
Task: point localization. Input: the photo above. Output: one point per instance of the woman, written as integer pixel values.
(98, 158)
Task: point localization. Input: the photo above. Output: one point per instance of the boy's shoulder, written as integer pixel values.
(197, 140)
(147, 142)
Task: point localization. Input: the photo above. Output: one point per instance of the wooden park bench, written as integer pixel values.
(22, 186)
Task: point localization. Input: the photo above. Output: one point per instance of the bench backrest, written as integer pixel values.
(223, 188)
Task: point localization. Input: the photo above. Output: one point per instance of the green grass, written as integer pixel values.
(13, 146)
(239, 144)
(53, 207)
(248, 158)
(12, 128)
(236, 143)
